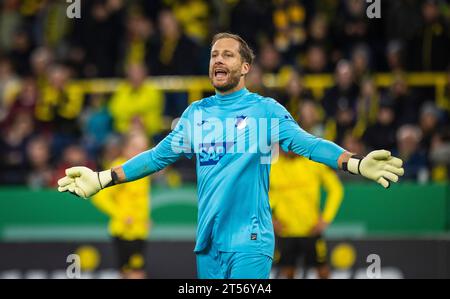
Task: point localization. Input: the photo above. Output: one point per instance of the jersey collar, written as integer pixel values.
(232, 96)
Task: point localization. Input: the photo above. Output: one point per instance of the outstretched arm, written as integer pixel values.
(378, 165)
(84, 182)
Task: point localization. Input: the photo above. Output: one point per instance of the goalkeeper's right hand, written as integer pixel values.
(84, 182)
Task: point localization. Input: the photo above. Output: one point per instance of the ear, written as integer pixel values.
(245, 68)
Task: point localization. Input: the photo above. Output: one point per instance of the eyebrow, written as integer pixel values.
(226, 51)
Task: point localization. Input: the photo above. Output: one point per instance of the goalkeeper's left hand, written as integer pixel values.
(378, 166)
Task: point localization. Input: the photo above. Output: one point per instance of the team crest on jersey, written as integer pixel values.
(241, 122)
(211, 153)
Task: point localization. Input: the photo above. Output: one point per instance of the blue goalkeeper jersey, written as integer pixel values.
(232, 137)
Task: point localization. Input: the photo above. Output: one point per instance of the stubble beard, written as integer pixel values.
(232, 82)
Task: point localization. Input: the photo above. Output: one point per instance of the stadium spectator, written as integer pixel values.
(41, 60)
(360, 59)
(40, 172)
(382, 132)
(251, 19)
(72, 155)
(440, 155)
(351, 25)
(356, 145)
(256, 84)
(194, 16)
(269, 58)
(429, 122)
(13, 143)
(51, 27)
(148, 103)
(316, 60)
(406, 103)
(345, 91)
(319, 35)
(169, 49)
(111, 150)
(402, 19)
(430, 45)
(289, 21)
(96, 123)
(443, 101)
(139, 30)
(395, 56)
(128, 207)
(166, 55)
(319, 31)
(9, 87)
(21, 52)
(98, 34)
(309, 117)
(408, 149)
(367, 106)
(10, 21)
(294, 93)
(340, 101)
(24, 102)
(58, 106)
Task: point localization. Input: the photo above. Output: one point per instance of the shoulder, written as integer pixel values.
(201, 104)
(197, 105)
(267, 103)
(274, 108)
(271, 103)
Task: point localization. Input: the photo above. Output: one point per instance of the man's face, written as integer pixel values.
(136, 74)
(344, 76)
(226, 66)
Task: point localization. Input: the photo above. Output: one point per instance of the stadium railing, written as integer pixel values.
(195, 86)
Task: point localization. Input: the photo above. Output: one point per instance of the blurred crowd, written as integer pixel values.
(49, 123)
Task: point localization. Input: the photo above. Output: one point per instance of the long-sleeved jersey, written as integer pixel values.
(232, 137)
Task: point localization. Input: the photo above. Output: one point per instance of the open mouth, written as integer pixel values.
(220, 74)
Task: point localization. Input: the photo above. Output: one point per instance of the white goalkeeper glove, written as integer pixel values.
(84, 182)
(378, 166)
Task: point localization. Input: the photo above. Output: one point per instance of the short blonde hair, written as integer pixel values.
(244, 50)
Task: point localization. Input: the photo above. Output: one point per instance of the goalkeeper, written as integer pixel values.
(235, 237)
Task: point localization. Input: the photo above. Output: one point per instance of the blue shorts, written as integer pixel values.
(215, 264)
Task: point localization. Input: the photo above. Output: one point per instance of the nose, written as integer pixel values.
(218, 60)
